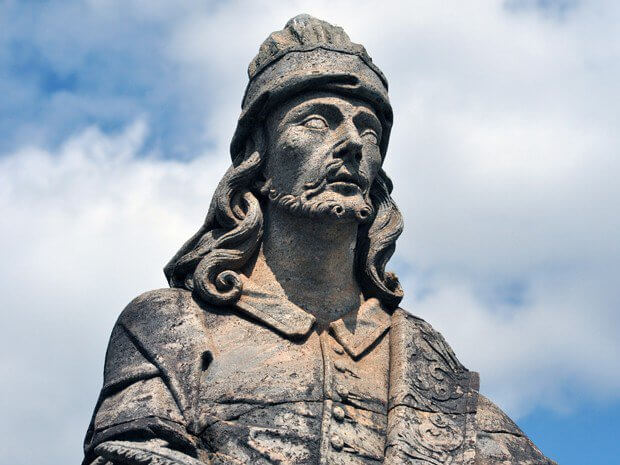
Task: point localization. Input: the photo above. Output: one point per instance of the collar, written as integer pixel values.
(356, 331)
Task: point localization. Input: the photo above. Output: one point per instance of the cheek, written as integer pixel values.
(294, 158)
(372, 162)
(284, 152)
(297, 144)
(291, 143)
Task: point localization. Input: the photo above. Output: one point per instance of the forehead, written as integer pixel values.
(320, 99)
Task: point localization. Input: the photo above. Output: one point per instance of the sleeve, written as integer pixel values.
(135, 403)
(499, 439)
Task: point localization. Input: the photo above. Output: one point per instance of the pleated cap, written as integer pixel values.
(308, 55)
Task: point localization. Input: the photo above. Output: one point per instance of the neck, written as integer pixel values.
(310, 262)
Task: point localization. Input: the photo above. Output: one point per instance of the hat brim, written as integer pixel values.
(299, 72)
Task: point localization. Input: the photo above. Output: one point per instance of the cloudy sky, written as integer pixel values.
(115, 120)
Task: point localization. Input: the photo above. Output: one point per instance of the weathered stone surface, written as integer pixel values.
(280, 339)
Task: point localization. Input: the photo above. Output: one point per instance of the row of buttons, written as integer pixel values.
(338, 413)
(337, 442)
(343, 383)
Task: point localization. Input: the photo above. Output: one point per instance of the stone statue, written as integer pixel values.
(280, 339)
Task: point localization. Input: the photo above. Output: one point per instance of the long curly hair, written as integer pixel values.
(210, 262)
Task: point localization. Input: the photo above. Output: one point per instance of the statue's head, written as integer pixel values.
(311, 139)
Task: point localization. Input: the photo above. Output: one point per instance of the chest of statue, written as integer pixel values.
(268, 399)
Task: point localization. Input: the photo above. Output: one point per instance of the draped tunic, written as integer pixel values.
(257, 383)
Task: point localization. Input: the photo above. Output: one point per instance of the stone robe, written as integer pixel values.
(257, 384)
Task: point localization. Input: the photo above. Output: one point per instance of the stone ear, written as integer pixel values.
(257, 141)
(253, 142)
(256, 145)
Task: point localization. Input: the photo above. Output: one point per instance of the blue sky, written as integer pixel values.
(115, 121)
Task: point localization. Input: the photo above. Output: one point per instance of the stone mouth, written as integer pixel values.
(345, 179)
(345, 187)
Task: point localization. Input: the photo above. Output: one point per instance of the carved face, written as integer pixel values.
(323, 154)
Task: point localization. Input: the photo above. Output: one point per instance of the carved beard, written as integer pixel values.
(305, 204)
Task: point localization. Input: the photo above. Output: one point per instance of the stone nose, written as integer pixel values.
(350, 145)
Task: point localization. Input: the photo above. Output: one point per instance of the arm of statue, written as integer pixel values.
(499, 439)
(154, 361)
(140, 425)
(151, 452)
(137, 413)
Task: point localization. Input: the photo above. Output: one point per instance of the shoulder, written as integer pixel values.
(423, 335)
(161, 321)
(169, 307)
(403, 317)
(155, 331)
(159, 303)
(427, 374)
(139, 330)
(500, 440)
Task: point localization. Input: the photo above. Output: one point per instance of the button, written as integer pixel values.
(340, 366)
(342, 391)
(339, 350)
(337, 442)
(339, 413)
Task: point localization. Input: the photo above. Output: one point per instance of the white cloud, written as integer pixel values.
(504, 156)
(87, 228)
(504, 159)
(556, 350)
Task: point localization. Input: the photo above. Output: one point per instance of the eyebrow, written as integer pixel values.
(363, 115)
(327, 109)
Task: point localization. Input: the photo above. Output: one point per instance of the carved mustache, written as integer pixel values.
(332, 174)
(354, 178)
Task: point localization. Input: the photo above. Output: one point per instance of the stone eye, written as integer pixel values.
(315, 122)
(370, 136)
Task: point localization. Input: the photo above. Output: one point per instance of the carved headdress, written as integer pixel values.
(307, 55)
(310, 54)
